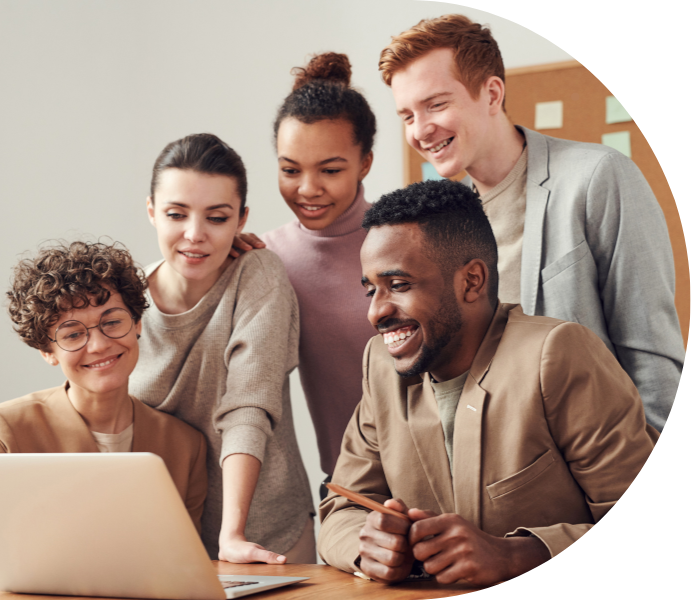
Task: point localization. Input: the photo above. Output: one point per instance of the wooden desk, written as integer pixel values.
(324, 582)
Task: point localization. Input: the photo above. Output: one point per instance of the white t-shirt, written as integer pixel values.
(115, 442)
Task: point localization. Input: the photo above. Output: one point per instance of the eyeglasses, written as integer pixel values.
(114, 323)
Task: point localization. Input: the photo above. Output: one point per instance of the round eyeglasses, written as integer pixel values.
(114, 323)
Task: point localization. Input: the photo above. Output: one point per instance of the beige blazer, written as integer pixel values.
(46, 421)
(549, 433)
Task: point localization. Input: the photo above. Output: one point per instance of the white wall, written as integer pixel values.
(92, 91)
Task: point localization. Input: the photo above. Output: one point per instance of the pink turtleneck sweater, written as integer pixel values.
(324, 268)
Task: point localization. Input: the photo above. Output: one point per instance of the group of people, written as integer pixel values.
(529, 348)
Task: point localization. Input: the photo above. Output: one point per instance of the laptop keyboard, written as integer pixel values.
(232, 584)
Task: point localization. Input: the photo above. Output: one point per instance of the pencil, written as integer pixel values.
(365, 501)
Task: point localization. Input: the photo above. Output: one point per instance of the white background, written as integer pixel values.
(93, 90)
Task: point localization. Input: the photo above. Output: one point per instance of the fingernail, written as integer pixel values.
(281, 558)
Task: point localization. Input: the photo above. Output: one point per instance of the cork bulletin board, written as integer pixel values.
(584, 119)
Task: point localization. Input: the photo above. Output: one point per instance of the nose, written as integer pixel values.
(194, 232)
(422, 127)
(309, 186)
(97, 341)
(380, 308)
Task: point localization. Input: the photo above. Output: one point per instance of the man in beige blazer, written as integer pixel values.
(503, 437)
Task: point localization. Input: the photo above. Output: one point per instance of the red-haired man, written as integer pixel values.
(580, 234)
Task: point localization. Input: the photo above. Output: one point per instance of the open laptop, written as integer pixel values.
(105, 525)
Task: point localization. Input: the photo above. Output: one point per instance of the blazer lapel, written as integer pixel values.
(426, 431)
(75, 435)
(143, 439)
(537, 197)
(467, 442)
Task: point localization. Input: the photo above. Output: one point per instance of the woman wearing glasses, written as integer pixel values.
(80, 306)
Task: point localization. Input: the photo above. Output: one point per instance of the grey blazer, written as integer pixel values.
(596, 251)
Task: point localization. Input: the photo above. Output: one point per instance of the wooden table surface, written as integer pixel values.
(324, 583)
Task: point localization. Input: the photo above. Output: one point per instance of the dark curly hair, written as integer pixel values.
(63, 277)
(451, 218)
(322, 91)
(203, 153)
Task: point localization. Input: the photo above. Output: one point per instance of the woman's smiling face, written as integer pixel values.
(104, 364)
(196, 216)
(320, 168)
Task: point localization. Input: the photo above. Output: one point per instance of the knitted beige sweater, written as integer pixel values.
(223, 367)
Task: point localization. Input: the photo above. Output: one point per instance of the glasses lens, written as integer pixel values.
(72, 335)
(116, 323)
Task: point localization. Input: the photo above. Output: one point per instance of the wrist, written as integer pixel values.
(524, 553)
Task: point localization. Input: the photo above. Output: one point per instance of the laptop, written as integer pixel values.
(108, 524)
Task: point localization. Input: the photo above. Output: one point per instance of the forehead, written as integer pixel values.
(395, 247)
(92, 313)
(195, 188)
(431, 73)
(316, 141)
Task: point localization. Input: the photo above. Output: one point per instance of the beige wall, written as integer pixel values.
(93, 90)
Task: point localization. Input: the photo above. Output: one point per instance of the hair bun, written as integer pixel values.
(328, 66)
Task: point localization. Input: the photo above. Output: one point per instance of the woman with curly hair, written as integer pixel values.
(80, 305)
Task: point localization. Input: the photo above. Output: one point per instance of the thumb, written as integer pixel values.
(266, 556)
(417, 514)
(396, 504)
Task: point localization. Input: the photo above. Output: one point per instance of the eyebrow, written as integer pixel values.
(213, 207)
(323, 162)
(425, 101)
(391, 273)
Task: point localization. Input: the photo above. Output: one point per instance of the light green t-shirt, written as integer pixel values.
(447, 395)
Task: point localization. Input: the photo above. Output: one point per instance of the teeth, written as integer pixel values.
(102, 364)
(440, 146)
(190, 255)
(313, 208)
(396, 336)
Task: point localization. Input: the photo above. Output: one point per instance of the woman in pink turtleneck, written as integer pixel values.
(325, 132)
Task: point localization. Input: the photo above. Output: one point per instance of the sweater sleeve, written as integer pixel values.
(262, 351)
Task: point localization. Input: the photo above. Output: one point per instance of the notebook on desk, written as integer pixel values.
(105, 525)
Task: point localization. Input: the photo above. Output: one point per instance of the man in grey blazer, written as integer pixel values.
(580, 234)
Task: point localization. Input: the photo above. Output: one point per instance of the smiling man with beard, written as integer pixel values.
(503, 437)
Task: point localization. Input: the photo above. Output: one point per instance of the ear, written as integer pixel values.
(49, 357)
(242, 221)
(495, 89)
(366, 164)
(138, 327)
(150, 207)
(473, 279)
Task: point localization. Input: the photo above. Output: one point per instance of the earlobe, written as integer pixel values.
(496, 91)
(49, 357)
(150, 208)
(366, 164)
(242, 221)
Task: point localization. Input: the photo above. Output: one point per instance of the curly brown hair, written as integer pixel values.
(63, 277)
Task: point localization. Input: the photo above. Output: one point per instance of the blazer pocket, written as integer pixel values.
(570, 258)
(509, 484)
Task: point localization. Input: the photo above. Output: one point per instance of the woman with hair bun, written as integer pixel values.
(324, 132)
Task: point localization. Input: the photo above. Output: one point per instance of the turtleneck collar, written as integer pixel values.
(348, 222)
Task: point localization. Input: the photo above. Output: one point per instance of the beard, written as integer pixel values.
(443, 328)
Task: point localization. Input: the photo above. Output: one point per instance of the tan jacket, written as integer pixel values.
(549, 433)
(46, 421)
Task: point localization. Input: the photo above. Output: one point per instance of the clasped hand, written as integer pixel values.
(450, 547)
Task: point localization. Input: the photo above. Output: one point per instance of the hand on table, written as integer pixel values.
(244, 242)
(240, 550)
(459, 550)
(384, 549)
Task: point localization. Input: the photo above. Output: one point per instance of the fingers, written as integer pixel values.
(429, 524)
(252, 240)
(384, 573)
(416, 514)
(388, 523)
(248, 552)
(397, 504)
(265, 556)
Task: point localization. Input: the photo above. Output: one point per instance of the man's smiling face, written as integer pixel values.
(442, 121)
(413, 307)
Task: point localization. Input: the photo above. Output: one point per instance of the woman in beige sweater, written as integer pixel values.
(219, 341)
(81, 307)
